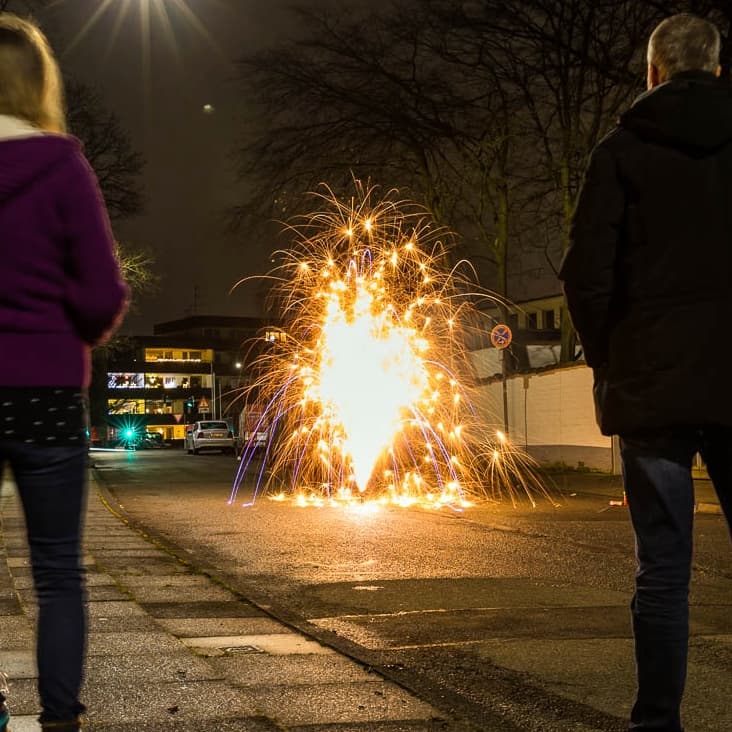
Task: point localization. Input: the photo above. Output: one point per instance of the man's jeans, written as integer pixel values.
(660, 492)
(52, 486)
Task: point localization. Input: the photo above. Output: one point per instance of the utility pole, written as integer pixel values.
(501, 338)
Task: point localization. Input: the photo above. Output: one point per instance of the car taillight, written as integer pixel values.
(200, 435)
(231, 434)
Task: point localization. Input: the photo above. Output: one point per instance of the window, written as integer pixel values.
(163, 354)
(549, 321)
(275, 335)
(531, 321)
(125, 406)
(213, 426)
(125, 381)
(159, 406)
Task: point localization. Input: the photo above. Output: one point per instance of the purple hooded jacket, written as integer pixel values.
(60, 286)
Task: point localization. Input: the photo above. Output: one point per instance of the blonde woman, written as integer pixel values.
(60, 294)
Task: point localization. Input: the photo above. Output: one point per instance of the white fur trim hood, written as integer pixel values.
(11, 127)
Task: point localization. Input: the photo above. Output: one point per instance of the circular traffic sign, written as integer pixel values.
(501, 336)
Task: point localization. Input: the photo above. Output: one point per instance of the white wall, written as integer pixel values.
(550, 413)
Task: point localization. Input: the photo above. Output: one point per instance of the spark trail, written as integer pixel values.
(365, 392)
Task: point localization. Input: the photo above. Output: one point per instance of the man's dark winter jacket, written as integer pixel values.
(648, 276)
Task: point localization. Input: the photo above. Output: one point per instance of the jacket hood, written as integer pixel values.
(693, 110)
(23, 160)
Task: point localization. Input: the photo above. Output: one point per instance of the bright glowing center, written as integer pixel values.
(371, 374)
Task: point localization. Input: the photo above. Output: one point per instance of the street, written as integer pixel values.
(509, 618)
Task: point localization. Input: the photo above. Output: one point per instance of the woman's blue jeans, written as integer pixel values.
(660, 492)
(51, 482)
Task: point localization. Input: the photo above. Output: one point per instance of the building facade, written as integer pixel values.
(189, 369)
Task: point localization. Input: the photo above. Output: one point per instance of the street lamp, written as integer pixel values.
(213, 388)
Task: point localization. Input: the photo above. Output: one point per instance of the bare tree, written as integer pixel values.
(106, 144)
(108, 148)
(400, 99)
(486, 111)
(579, 63)
(575, 64)
(18, 6)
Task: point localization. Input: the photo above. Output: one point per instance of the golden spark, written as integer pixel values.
(366, 395)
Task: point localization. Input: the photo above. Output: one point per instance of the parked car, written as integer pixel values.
(209, 435)
(151, 441)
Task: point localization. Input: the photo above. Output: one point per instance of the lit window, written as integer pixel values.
(120, 380)
(125, 406)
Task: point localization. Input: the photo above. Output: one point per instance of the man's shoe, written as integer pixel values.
(71, 725)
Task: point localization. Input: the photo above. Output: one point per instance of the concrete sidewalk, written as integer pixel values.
(170, 649)
(605, 485)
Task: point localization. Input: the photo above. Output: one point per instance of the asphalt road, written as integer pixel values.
(511, 618)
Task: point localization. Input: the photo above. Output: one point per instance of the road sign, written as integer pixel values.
(501, 336)
(203, 405)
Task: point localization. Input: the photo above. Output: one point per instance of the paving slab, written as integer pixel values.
(23, 697)
(201, 609)
(163, 702)
(435, 725)
(173, 587)
(109, 542)
(144, 553)
(248, 724)
(120, 643)
(92, 579)
(121, 623)
(19, 664)
(9, 605)
(134, 668)
(253, 669)
(99, 593)
(273, 643)
(17, 633)
(150, 567)
(197, 627)
(112, 609)
(26, 723)
(339, 703)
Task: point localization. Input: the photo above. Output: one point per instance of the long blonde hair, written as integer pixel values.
(30, 79)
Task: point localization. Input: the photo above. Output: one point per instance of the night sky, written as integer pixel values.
(189, 180)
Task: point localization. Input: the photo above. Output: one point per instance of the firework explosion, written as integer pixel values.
(364, 393)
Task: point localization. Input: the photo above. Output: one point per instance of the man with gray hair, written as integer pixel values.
(648, 280)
